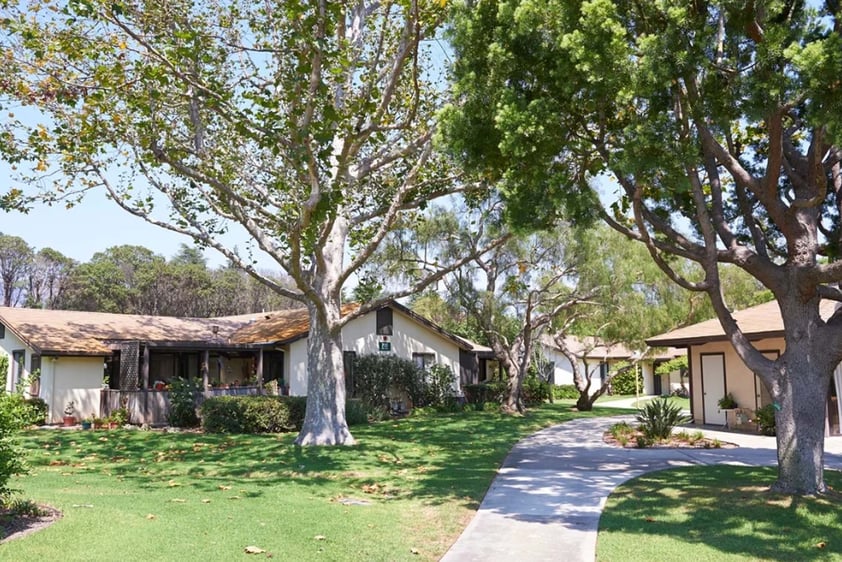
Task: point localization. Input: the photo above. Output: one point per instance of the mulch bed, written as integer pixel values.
(13, 526)
(672, 443)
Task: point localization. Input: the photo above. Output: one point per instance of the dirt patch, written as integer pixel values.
(14, 526)
(675, 442)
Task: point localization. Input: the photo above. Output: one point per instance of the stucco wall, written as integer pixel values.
(9, 344)
(739, 380)
(71, 378)
(360, 336)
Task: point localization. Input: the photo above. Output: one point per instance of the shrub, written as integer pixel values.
(355, 412)
(24, 412)
(484, 392)
(11, 457)
(439, 382)
(680, 392)
(120, 416)
(251, 414)
(765, 418)
(624, 382)
(535, 391)
(375, 376)
(183, 404)
(565, 392)
(658, 417)
(4, 370)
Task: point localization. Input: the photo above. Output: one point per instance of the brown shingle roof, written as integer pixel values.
(757, 322)
(281, 326)
(87, 333)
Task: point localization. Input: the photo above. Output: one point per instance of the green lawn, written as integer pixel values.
(717, 513)
(134, 495)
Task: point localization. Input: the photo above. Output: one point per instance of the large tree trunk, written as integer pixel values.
(324, 422)
(801, 407)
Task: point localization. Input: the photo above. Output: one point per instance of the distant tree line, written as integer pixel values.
(129, 279)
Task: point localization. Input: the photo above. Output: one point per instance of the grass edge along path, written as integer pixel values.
(405, 492)
(718, 513)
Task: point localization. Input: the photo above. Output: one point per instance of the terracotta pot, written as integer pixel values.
(69, 421)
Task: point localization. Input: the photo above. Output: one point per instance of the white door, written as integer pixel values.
(713, 387)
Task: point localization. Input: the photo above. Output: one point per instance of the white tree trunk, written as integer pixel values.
(801, 407)
(324, 422)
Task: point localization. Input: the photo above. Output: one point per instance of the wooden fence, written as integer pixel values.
(152, 407)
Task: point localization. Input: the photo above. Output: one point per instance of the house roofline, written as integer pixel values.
(701, 340)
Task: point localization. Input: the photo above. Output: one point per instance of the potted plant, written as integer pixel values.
(98, 423)
(69, 419)
(86, 423)
(727, 402)
(119, 418)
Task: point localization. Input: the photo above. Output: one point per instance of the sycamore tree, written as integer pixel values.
(716, 124)
(307, 126)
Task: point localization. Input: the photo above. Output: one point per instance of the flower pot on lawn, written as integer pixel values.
(69, 421)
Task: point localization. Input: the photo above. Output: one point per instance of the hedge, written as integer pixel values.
(264, 414)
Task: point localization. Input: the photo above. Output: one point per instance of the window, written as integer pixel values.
(424, 360)
(384, 322)
(2, 331)
(18, 365)
(348, 358)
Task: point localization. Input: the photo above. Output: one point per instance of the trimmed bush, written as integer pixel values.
(265, 414)
(484, 392)
(355, 412)
(624, 383)
(658, 417)
(565, 392)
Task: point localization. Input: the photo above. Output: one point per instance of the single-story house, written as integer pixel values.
(598, 358)
(716, 369)
(70, 356)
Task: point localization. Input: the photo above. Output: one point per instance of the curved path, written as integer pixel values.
(546, 499)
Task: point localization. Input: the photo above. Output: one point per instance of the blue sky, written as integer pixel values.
(92, 226)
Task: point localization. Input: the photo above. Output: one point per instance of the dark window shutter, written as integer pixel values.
(384, 321)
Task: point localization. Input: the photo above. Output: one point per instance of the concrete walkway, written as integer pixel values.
(547, 498)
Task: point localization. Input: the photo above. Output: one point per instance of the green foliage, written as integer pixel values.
(265, 414)
(627, 382)
(535, 391)
(378, 378)
(24, 412)
(120, 416)
(679, 364)
(765, 419)
(565, 392)
(14, 415)
(183, 403)
(485, 392)
(4, 370)
(658, 417)
(727, 402)
(356, 412)
(439, 386)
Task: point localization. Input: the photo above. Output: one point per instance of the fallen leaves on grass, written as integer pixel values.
(320, 538)
(254, 550)
(151, 516)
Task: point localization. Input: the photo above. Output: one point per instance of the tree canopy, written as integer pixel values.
(712, 129)
(307, 125)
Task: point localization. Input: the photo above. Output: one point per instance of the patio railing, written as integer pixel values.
(152, 407)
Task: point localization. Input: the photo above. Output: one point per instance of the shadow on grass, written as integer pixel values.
(727, 509)
(437, 458)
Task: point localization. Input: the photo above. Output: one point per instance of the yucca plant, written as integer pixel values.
(658, 418)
